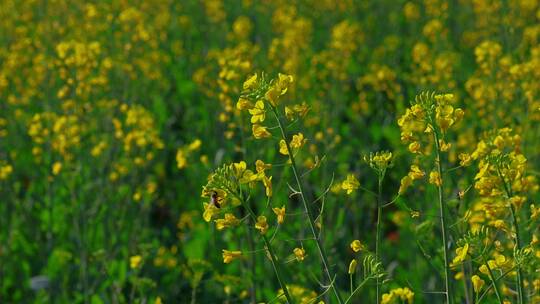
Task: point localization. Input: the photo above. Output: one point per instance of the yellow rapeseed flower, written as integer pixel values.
(405, 183)
(56, 167)
(416, 173)
(261, 224)
(243, 104)
(272, 95)
(283, 147)
(260, 166)
(280, 213)
(298, 141)
(477, 282)
(209, 211)
(461, 254)
(435, 178)
(356, 245)
(267, 182)
(135, 261)
(229, 256)
(181, 160)
(250, 83)
(299, 253)
(229, 221)
(258, 113)
(260, 131)
(350, 184)
(414, 147)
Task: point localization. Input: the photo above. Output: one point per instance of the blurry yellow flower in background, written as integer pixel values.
(299, 253)
(135, 261)
(435, 178)
(350, 184)
(229, 221)
(229, 256)
(181, 160)
(57, 166)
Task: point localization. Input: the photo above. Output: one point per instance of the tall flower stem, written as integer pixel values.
(518, 245)
(311, 219)
(508, 191)
(442, 213)
(378, 235)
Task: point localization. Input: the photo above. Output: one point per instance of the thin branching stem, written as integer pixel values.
(509, 194)
(442, 212)
(271, 254)
(311, 220)
(493, 281)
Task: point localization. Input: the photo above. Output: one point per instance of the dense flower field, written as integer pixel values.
(242, 151)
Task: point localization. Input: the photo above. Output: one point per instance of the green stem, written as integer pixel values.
(493, 281)
(492, 284)
(442, 213)
(273, 257)
(509, 194)
(518, 244)
(378, 235)
(357, 289)
(322, 254)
